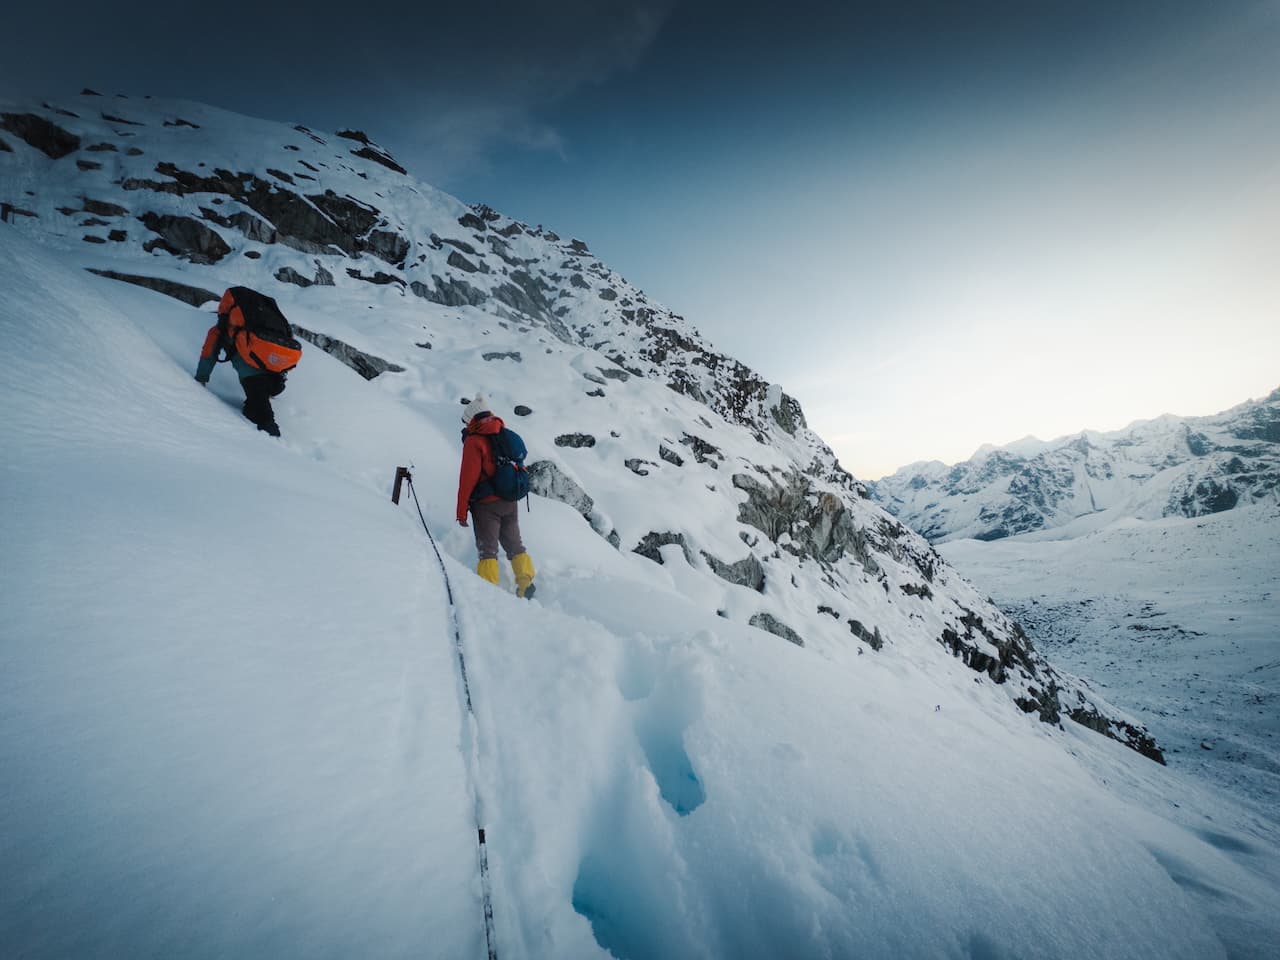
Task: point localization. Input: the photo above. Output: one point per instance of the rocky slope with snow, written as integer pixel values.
(748, 714)
(185, 200)
(1169, 466)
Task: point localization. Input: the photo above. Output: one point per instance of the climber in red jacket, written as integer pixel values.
(497, 521)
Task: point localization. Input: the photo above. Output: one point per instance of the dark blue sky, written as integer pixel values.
(876, 204)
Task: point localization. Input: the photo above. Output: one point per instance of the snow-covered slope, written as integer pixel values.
(1178, 619)
(1169, 466)
(233, 717)
(665, 447)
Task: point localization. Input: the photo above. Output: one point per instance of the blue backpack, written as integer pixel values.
(511, 480)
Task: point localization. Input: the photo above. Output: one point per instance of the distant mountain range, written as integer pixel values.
(1169, 466)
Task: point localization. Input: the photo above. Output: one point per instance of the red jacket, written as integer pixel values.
(477, 460)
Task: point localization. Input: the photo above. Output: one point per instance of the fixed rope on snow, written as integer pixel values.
(490, 935)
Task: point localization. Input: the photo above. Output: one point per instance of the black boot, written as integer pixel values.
(258, 391)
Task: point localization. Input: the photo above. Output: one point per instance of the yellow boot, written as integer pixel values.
(488, 569)
(522, 567)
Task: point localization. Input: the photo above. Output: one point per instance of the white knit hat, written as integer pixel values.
(477, 404)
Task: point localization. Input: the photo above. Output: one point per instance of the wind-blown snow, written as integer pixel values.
(233, 721)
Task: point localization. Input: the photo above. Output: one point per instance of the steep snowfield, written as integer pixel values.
(233, 719)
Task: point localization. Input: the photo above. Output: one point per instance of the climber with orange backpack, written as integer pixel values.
(491, 483)
(254, 335)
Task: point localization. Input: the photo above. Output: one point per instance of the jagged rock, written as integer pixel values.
(578, 247)
(548, 480)
(387, 246)
(1205, 497)
(354, 217)
(101, 208)
(608, 293)
(579, 281)
(1198, 444)
(817, 525)
(636, 466)
(527, 295)
(195, 296)
(49, 138)
(520, 410)
(462, 263)
(118, 236)
(378, 277)
(597, 392)
(870, 637)
(380, 156)
(770, 623)
(669, 455)
(614, 374)
(702, 451)
(111, 118)
(290, 275)
(576, 440)
(450, 293)
(97, 147)
(314, 225)
(252, 228)
(503, 355)
(594, 378)
(1013, 649)
(747, 572)
(94, 222)
(649, 546)
(916, 590)
(179, 122)
(1135, 738)
(462, 245)
(281, 175)
(90, 238)
(501, 249)
(472, 222)
(87, 165)
(365, 364)
(184, 237)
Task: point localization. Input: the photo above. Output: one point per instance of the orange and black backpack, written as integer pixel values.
(253, 326)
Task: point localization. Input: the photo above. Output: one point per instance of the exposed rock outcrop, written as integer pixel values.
(747, 572)
(649, 546)
(35, 131)
(195, 296)
(184, 237)
(770, 623)
(365, 364)
(575, 440)
(452, 292)
(548, 480)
